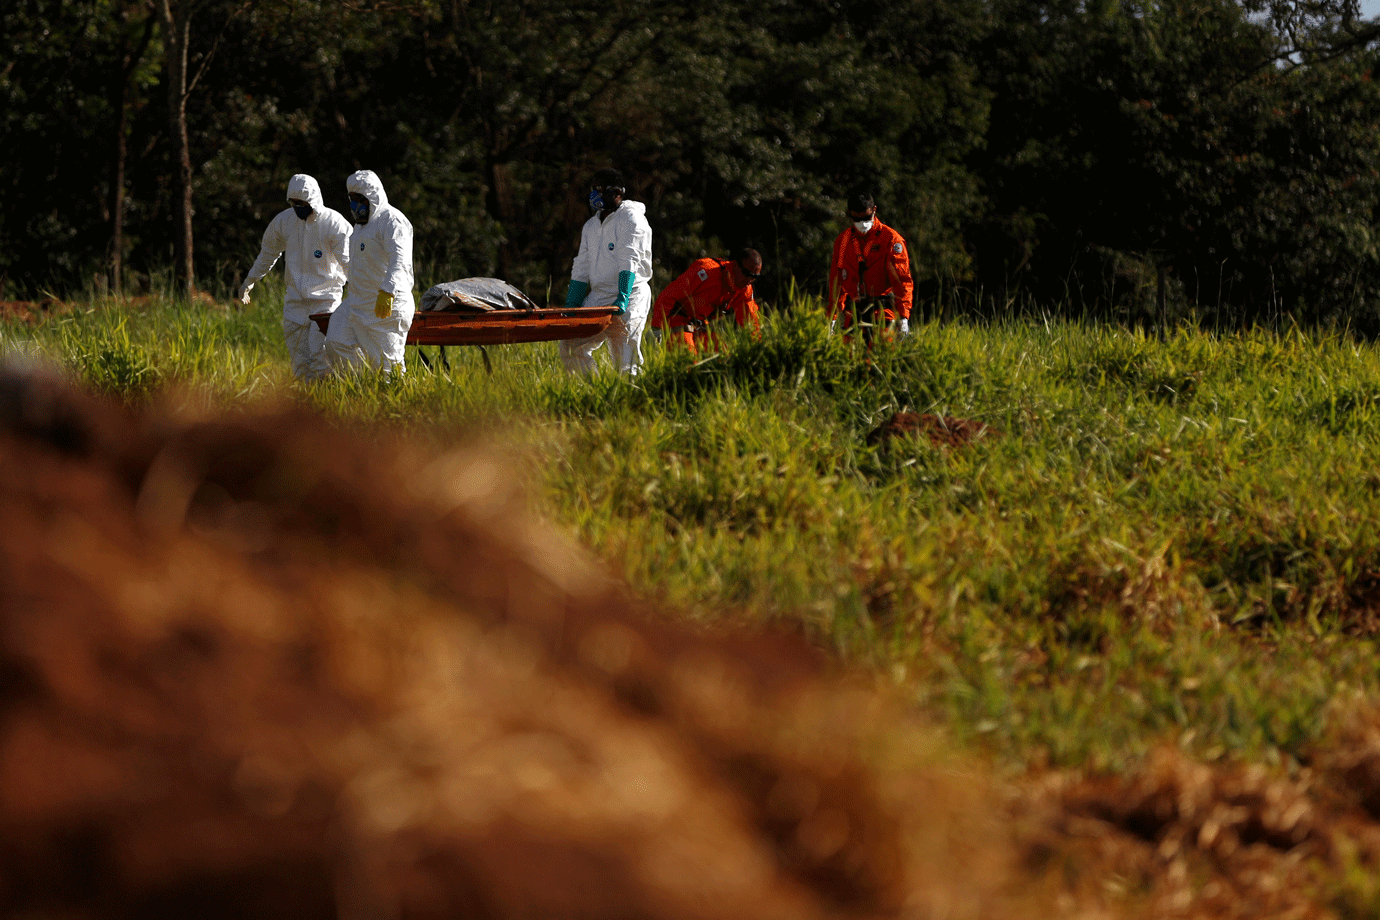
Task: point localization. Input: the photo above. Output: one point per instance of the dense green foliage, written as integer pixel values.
(1172, 137)
(1167, 540)
(1032, 152)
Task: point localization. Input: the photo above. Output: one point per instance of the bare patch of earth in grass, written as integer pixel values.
(940, 431)
(31, 311)
(1181, 838)
(1362, 615)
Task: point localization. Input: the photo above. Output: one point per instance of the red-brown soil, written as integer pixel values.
(32, 310)
(253, 666)
(1179, 838)
(256, 666)
(940, 431)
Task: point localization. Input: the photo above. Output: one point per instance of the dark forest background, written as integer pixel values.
(1096, 158)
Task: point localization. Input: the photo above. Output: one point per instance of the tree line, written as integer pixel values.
(1133, 159)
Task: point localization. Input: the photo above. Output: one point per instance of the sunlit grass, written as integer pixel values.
(1169, 539)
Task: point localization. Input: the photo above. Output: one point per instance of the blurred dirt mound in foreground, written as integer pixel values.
(255, 666)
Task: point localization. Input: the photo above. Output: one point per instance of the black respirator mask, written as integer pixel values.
(602, 198)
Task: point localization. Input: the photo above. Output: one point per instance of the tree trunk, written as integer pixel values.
(499, 201)
(1161, 309)
(176, 23)
(120, 99)
(117, 191)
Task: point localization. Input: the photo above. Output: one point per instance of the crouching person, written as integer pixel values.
(708, 291)
(370, 329)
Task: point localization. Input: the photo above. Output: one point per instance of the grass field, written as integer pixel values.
(1169, 540)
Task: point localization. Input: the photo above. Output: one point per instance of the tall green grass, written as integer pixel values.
(1173, 539)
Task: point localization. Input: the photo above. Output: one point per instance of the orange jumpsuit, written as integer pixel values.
(881, 259)
(703, 293)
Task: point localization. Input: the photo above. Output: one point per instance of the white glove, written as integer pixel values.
(244, 293)
(905, 327)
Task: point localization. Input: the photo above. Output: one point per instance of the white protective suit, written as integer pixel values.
(618, 243)
(380, 260)
(317, 251)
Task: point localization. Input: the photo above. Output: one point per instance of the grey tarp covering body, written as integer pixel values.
(478, 295)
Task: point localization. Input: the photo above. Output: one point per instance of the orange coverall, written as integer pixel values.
(703, 293)
(881, 259)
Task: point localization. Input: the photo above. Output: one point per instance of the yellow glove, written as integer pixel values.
(384, 305)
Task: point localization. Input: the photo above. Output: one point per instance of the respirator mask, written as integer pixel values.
(602, 198)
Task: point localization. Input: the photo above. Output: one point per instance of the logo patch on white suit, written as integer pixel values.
(318, 253)
(610, 247)
(897, 248)
(704, 275)
(361, 247)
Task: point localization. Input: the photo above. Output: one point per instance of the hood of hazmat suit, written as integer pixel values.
(305, 188)
(365, 182)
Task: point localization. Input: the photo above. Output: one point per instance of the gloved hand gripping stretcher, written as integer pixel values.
(487, 311)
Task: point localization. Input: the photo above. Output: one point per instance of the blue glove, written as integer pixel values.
(575, 294)
(625, 284)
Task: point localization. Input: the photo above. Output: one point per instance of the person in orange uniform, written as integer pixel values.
(869, 276)
(707, 290)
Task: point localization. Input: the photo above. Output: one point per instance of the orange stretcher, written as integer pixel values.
(496, 327)
(500, 327)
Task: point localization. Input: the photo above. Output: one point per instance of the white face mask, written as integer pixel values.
(863, 226)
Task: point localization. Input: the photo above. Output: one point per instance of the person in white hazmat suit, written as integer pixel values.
(315, 241)
(613, 266)
(371, 328)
